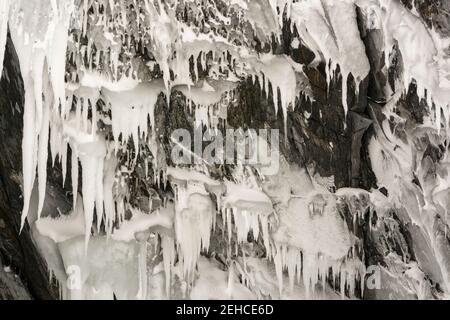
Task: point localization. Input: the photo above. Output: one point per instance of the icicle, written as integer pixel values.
(193, 225)
(68, 104)
(37, 74)
(278, 261)
(91, 156)
(330, 30)
(266, 236)
(228, 221)
(43, 148)
(85, 112)
(89, 172)
(230, 286)
(110, 212)
(85, 16)
(64, 148)
(99, 194)
(56, 52)
(293, 265)
(278, 71)
(143, 277)
(30, 37)
(74, 175)
(29, 144)
(438, 117)
(344, 92)
(131, 109)
(168, 250)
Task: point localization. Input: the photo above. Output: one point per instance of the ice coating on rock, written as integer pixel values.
(63, 228)
(298, 220)
(214, 283)
(207, 96)
(329, 28)
(40, 33)
(105, 269)
(311, 227)
(250, 209)
(141, 222)
(429, 68)
(193, 224)
(278, 71)
(132, 109)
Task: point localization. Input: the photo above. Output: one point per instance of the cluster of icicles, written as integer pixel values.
(245, 210)
(40, 33)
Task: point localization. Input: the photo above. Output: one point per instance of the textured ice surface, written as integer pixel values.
(74, 89)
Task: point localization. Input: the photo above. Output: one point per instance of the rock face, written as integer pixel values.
(358, 206)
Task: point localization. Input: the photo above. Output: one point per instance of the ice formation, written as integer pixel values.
(80, 76)
(429, 67)
(311, 239)
(330, 29)
(194, 213)
(227, 287)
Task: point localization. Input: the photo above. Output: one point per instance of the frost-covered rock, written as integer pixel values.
(358, 88)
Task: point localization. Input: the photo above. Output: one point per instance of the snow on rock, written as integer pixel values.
(298, 219)
(97, 80)
(412, 278)
(140, 222)
(57, 48)
(397, 157)
(329, 28)
(41, 38)
(40, 32)
(195, 45)
(262, 15)
(163, 32)
(109, 179)
(280, 73)
(64, 227)
(108, 267)
(30, 50)
(206, 96)
(260, 276)
(322, 229)
(359, 202)
(90, 150)
(429, 67)
(169, 254)
(132, 109)
(250, 209)
(216, 284)
(86, 99)
(311, 228)
(182, 175)
(194, 218)
(92, 162)
(246, 199)
(290, 180)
